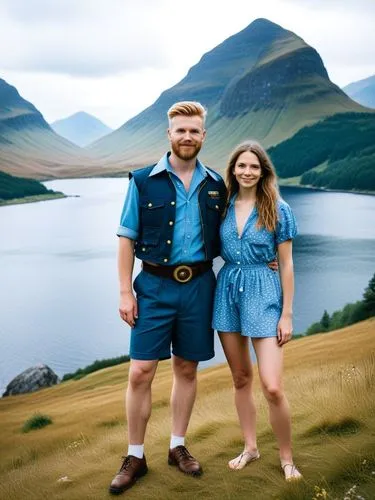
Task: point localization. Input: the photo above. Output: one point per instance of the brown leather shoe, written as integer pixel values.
(180, 457)
(132, 468)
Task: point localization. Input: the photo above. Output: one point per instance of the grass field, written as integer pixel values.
(329, 379)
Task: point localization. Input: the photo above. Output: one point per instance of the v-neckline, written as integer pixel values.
(236, 220)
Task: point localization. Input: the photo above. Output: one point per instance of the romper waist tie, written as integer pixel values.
(236, 279)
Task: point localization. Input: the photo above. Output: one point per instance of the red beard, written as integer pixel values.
(185, 153)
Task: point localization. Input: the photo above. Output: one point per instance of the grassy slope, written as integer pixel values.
(328, 378)
(41, 154)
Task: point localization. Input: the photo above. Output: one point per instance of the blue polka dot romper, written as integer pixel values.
(248, 297)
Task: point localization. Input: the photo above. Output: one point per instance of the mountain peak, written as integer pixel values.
(263, 28)
(264, 81)
(81, 128)
(262, 22)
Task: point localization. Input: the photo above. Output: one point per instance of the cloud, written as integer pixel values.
(82, 38)
(113, 58)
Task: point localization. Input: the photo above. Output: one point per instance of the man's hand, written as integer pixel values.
(274, 265)
(284, 329)
(128, 308)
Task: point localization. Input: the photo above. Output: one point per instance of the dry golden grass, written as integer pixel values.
(329, 380)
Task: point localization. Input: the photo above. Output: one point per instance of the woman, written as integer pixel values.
(250, 302)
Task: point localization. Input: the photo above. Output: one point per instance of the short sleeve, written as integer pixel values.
(129, 222)
(287, 225)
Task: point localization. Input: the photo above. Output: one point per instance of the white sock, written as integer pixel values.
(177, 441)
(136, 450)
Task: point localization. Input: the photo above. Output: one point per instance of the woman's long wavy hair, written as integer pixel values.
(267, 188)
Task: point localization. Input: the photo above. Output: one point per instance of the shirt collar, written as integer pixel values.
(163, 164)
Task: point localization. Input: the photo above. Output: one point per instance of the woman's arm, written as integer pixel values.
(285, 326)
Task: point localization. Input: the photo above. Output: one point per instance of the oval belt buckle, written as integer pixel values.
(183, 274)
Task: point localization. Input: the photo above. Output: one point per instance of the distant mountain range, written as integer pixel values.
(81, 128)
(362, 91)
(28, 145)
(264, 82)
(30, 148)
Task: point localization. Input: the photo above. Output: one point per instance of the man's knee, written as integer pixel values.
(141, 373)
(184, 369)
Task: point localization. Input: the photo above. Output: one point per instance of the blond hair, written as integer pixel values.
(267, 188)
(187, 108)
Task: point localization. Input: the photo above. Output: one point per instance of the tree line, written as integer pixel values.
(350, 314)
(18, 187)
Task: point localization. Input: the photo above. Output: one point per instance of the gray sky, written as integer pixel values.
(113, 58)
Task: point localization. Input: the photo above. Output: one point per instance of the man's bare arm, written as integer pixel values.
(128, 305)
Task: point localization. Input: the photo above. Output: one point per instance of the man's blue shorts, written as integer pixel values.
(173, 314)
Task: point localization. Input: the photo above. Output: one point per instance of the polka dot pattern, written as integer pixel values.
(248, 297)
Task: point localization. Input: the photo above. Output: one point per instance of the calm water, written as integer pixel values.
(58, 277)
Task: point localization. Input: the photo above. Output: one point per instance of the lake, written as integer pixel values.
(58, 274)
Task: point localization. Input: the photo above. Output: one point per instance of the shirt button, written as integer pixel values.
(165, 260)
(238, 262)
(188, 236)
(170, 222)
(217, 207)
(143, 249)
(169, 242)
(173, 203)
(149, 205)
(237, 252)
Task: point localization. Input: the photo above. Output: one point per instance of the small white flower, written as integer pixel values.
(64, 479)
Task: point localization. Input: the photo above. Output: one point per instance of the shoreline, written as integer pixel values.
(327, 190)
(33, 199)
(58, 195)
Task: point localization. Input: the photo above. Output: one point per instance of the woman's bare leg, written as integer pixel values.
(270, 366)
(236, 349)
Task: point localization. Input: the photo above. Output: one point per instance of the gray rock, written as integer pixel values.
(31, 380)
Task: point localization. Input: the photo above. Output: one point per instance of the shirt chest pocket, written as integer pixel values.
(152, 212)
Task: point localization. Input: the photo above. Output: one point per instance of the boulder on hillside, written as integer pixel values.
(31, 380)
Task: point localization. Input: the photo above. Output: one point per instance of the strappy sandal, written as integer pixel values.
(293, 475)
(242, 460)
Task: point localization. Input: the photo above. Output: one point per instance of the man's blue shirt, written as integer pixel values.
(187, 244)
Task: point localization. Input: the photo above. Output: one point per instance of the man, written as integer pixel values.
(170, 220)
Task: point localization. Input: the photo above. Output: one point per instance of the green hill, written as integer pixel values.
(336, 153)
(18, 187)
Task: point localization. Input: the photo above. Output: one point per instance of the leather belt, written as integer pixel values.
(182, 273)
